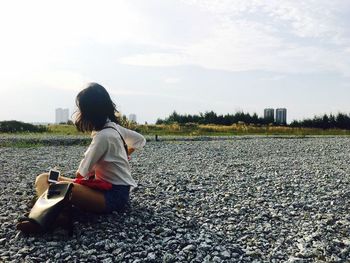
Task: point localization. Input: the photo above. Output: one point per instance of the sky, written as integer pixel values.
(192, 56)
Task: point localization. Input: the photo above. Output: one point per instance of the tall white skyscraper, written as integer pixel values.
(281, 116)
(62, 115)
(132, 117)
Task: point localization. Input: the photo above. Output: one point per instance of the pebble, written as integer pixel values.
(2, 241)
(225, 254)
(151, 256)
(169, 258)
(189, 248)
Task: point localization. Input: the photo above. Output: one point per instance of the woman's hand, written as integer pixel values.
(78, 175)
(130, 151)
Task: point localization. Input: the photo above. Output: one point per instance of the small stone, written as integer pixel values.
(90, 251)
(207, 259)
(151, 256)
(225, 254)
(169, 258)
(24, 250)
(189, 248)
(107, 260)
(2, 241)
(204, 246)
(67, 258)
(217, 259)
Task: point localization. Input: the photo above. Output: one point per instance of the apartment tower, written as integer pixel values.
(132, 117)
(269, 114)
(62, 115)
(281, 116)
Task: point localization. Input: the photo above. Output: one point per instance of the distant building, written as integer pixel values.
(132, 117)
(269, 114)
(62, 115)
(281, 116)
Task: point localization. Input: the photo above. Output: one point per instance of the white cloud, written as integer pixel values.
(59, 79)
(309, 18)
(172, 80)
(274, 78)
(244, 46)
(64, 44)
(282, 36)
(37, 38)
(234, 35)
(129, 92)
(155, 59)
(236, 47)
(69, 22)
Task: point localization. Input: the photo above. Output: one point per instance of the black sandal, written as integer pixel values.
(28, 226)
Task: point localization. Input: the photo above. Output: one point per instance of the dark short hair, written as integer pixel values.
(95, 106)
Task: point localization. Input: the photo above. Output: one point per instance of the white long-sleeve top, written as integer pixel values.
(106, 156)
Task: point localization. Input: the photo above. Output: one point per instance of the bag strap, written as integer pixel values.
(125, 145)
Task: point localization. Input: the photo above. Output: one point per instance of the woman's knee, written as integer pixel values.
(41, 178)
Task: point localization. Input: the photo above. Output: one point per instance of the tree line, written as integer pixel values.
(210, 117)
(18, 126)
(339, 121)
(331, 121)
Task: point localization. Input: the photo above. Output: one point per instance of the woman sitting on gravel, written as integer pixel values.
(103, 179)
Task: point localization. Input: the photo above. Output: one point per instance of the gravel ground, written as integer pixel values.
(240, 200)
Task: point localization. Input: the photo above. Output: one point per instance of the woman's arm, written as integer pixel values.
(134, 140)
(92, 155)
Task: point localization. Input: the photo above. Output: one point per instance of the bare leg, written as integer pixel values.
(41, 184)
(83, 197)
(88, 199)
